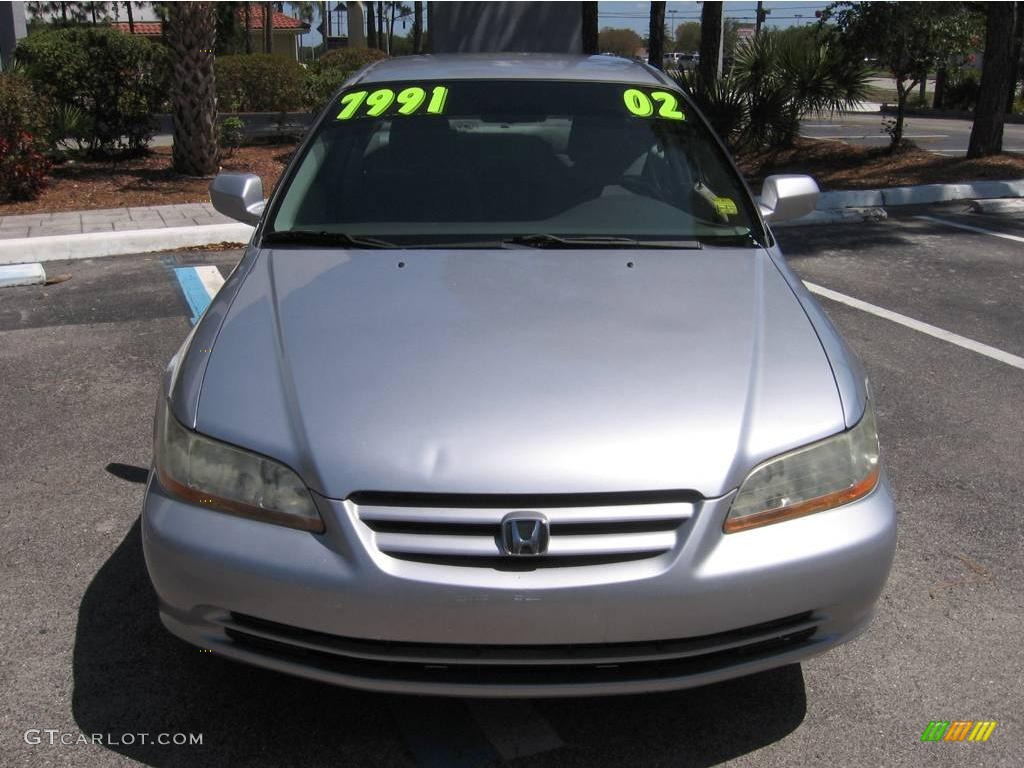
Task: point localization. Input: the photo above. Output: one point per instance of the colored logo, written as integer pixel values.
(958, 730)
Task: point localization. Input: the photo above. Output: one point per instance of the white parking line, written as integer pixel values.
(969, 228)
(211, 278)
(917, 325)
(880, 137)
(964, 151)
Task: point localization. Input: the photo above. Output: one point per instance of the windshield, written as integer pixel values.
(475, 162)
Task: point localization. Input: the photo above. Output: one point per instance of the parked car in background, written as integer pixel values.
(513, 394)
(680, 60)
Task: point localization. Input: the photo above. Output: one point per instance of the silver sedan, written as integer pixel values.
(513, 394)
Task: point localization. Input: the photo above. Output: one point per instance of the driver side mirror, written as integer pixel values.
(787, 196)
(238, 195)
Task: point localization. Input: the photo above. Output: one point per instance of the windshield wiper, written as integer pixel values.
(598, 241)
(308, 237)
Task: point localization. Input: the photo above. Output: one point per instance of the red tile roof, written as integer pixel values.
(281, 21)
(147, 28)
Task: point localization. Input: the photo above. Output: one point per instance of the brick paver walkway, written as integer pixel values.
(109, 220)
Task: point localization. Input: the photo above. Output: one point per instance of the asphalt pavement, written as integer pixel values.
(939, 135)
(83, 652)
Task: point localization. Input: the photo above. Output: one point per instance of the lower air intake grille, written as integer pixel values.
(526, 664)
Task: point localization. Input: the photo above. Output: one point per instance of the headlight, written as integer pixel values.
(823, 475)
(223, 477)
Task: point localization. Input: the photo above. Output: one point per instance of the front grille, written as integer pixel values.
(590, 529)
(520, 664)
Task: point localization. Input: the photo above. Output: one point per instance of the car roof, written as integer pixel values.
(512, 66)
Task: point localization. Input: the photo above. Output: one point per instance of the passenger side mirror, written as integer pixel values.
(787, 196)
(238, 195)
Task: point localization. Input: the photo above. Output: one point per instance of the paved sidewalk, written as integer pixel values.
(109, 220)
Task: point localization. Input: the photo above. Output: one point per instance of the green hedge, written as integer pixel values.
(118, 81)
(332, 69)
(259, 83)
(23, 138)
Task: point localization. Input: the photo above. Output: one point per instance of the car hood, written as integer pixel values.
(517, 371)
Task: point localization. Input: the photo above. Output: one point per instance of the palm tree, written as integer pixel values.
(192, 34)
(268, 28)
(710, 43)
(997, 73)
(417, 27)
(247, 15)
(656, 38)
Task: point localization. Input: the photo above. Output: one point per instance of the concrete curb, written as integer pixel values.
(997, 206)
(835, 216)
(921, 194)
(97, 244)
(22, 274)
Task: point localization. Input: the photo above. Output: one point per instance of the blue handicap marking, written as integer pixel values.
(194, 290)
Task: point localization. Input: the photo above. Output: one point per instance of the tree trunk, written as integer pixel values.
(381, 42)
(417, 27)
(902, 91)
(922, 89)
(192, 34)
(710, 43)
(939, 96)
(247, 15)
(1018, 34)
(131, 18)
(987, 131)
(589, 13)
(656, 35)
(268, 28)
(391, 27)
(371, 27)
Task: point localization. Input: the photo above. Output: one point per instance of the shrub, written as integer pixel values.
(23, 167)
(961, 91)
(777, 79)
(324, 76)
(258, 83)
(232, 133)
(117, 80)
(21, 107)
(23, 133)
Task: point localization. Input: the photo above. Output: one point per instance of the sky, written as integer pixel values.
(635, 15)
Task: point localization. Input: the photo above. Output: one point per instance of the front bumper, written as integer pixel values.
(333, 607)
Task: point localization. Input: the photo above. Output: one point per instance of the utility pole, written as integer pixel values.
(760, 18)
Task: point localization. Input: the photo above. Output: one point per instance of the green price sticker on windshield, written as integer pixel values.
(663, 104)
(382, 101)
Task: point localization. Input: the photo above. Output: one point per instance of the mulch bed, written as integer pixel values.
(148, 180)
(836, 165)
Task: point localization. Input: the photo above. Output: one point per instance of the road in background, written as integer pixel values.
(942, 136)
(84, 652)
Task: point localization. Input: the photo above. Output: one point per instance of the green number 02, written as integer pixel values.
(669, 104)
(638, 103)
